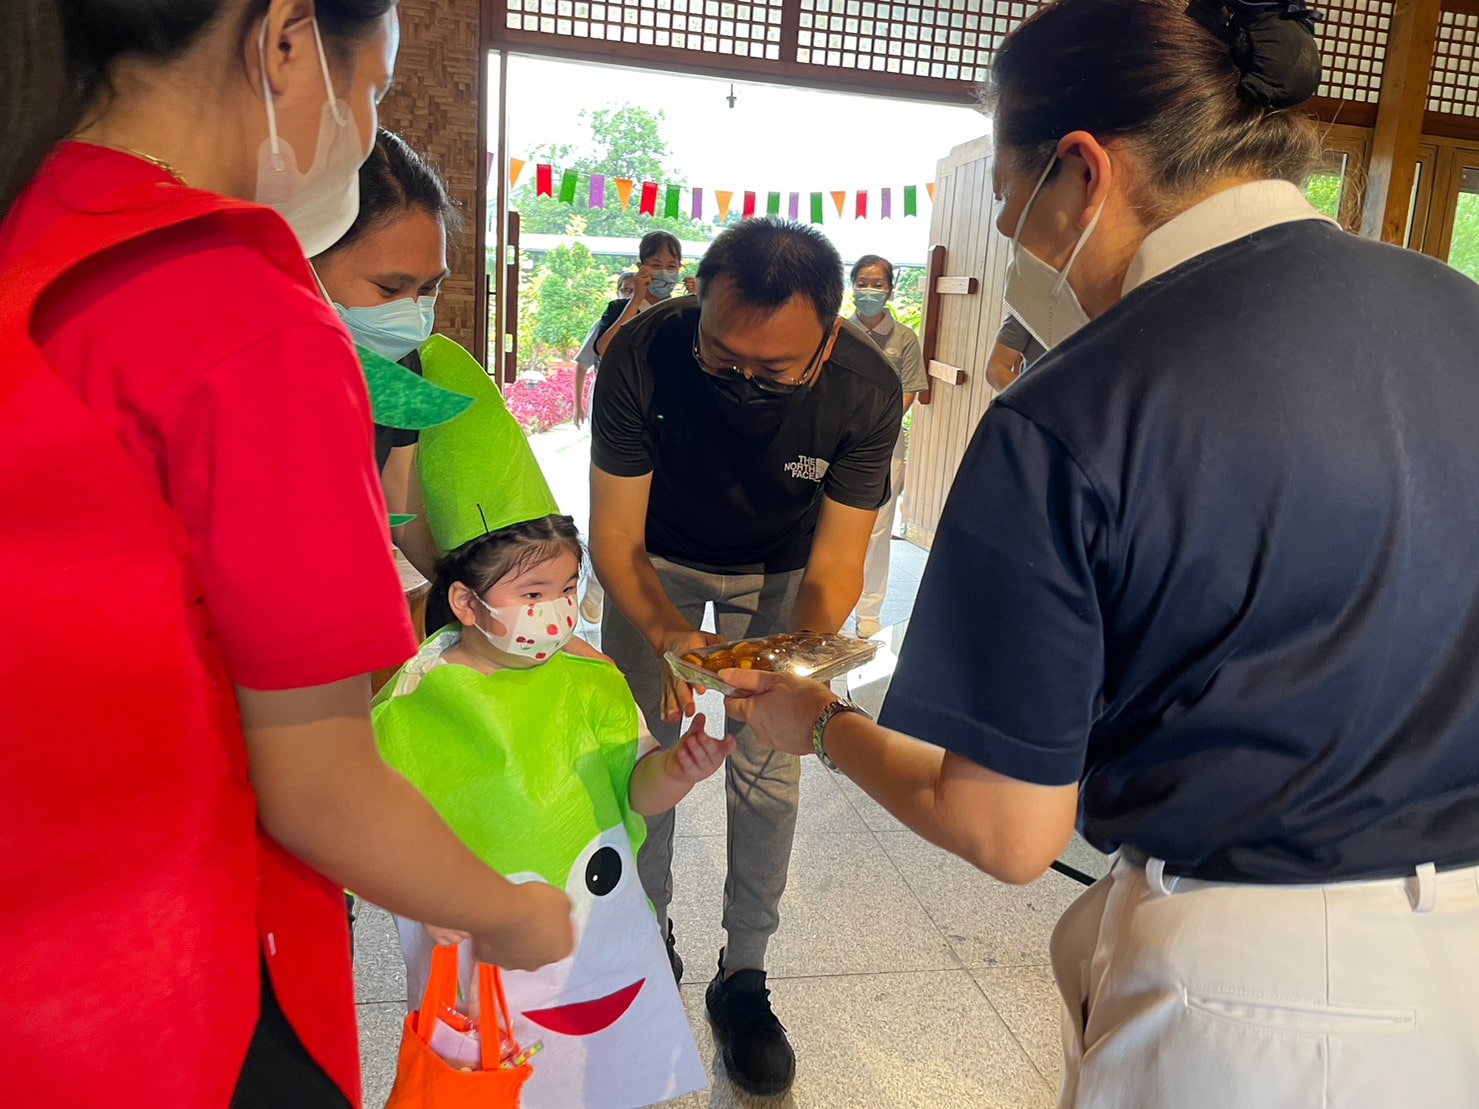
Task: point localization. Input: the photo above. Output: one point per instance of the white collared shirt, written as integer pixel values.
(1222, 218)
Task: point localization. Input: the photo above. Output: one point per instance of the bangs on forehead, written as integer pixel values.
(531, 555)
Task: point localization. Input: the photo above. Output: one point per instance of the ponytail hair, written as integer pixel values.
(482, 563)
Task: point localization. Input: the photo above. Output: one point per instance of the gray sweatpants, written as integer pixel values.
(762, 787)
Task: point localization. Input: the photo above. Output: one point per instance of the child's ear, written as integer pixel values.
(461, 600)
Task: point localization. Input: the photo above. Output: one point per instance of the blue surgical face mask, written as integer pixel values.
(393, 329)
(869, 302)
(663, 283)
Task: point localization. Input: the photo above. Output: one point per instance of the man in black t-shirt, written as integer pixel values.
(741, 443)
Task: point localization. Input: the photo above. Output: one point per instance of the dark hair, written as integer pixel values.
(770, 260)
(872, 260)
(482, 563)
(654, 241)
(61, 53)
(393, 180)
(1190, 91)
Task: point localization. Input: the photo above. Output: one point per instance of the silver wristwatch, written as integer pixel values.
(819, 729)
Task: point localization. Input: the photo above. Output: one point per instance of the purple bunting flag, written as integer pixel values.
(598, 190)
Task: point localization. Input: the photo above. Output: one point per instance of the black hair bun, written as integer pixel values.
(1272, 42)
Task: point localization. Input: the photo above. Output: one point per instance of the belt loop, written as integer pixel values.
(1427, 889)
(1155, 874)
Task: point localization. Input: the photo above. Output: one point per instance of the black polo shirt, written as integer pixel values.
(740, 486)
(1217, 559)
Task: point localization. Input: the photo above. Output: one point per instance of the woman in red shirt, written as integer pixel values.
(185, 746)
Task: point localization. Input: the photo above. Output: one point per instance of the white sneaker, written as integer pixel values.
(590, 609)
(867, 628)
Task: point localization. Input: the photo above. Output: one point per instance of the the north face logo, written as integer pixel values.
(808, 469)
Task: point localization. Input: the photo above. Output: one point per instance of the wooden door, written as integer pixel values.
(962, 335)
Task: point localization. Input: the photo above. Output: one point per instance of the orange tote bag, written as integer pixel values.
(425, 1080)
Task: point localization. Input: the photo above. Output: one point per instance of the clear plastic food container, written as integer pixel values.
(805, 654)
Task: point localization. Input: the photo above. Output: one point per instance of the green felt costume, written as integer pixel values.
(526, 766)
(477, 472)
(532, 769)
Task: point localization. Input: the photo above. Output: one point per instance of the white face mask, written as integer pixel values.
(532, 631)
(320, 205)
(1037, 294)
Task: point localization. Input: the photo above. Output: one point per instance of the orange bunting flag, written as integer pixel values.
(839, 198)
(624, 191)
(515, 167)
(723, 197)
(930, 188)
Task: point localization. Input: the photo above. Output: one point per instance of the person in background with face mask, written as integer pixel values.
(383, 277)
(626, 286)
(586, 359)
(188, 776)
(1224, 531)
(1014, 350)
(872, 285)
(740, 449)
(659, 272)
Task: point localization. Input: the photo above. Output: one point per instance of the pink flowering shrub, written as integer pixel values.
(540, 401)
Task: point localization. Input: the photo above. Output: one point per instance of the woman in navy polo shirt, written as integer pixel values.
(1225, 533)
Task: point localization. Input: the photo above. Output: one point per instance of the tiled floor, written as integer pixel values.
(906, 978)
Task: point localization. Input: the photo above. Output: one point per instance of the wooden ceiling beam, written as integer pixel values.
(1399, 119)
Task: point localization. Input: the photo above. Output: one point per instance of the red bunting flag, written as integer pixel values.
(839, 198)
(624, 191)
(749, 209)
(648, 207)
(862, 209)
(723, 198)
(544, 180)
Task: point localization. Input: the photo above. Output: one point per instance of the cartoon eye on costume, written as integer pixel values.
(603, 872)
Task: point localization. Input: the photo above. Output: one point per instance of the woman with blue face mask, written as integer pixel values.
(659, 275)
(383, 277)
(188, 775)
(872, 286)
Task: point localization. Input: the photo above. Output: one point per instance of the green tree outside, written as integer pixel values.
(1463, 252)
(624, 142)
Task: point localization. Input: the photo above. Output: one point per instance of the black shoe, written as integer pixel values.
(752, 1042)
(674, 959)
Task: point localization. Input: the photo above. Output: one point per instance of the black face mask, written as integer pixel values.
(739, 390)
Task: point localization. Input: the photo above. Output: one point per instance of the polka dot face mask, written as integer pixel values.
(533, 630)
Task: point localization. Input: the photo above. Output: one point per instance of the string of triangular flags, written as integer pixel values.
(658, 199)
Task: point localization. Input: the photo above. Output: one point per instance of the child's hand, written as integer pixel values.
(697, 756)
(446, 937)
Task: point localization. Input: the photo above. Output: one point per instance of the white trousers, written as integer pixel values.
(1181, 994)
(875, 566)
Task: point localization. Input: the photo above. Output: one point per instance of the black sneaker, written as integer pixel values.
(674, 959)
(752, 1042)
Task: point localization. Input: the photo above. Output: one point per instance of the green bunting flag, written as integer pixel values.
(567, 186)
(816, 207)
(773, 204)
(911, 200)
(670, 204)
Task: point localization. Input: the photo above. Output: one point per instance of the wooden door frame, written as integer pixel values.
(1453, 158)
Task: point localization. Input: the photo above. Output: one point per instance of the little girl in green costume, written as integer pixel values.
(539, 761)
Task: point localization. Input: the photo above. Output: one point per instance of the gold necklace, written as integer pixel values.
(157, 163)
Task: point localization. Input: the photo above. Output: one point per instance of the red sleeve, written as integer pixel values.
(271, 467)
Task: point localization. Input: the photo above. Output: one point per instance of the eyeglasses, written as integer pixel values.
(764, 382)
